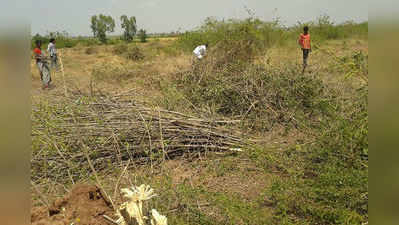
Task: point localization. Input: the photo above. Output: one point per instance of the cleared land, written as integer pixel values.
(269, 182)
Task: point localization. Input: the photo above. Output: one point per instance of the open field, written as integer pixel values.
(302, 138)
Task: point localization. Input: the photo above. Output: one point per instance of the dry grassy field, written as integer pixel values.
(263, 183)
(158, 65)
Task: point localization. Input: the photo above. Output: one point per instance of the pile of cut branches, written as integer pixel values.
(79, 133)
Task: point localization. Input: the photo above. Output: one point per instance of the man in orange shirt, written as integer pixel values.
(42, 65)
(304, 42)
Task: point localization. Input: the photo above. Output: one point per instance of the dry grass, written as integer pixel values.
(145, 75)
(79, 65)
(205, 189)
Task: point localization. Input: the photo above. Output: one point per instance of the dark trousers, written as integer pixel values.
(305, 56)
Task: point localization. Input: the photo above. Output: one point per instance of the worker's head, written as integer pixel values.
(305, 29)
(38, 43)
(52, 40)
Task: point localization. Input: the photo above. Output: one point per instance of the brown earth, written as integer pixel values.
(84, 205)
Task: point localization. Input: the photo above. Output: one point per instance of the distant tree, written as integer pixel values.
(37, 37)
(100, 25)
(142, 35)
(129, 26)
(58, 35)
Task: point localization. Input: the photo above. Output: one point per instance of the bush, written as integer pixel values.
(324, 29)
(134, 53)
(260, 35)
(129, 52)
(256, 35)
(91, 50)
(264, 98)
(120, 49)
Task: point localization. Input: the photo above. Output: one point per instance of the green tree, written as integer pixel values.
(100, 25)
(142, 35)
(129, 26)
(37, 37)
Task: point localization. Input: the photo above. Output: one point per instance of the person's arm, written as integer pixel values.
(40, 55)
(300, 40)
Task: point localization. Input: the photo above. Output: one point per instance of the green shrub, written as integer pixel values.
(263, 35)
(324, 29)
(256, 34)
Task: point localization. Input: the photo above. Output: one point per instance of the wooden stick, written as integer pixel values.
(110, 220)
(96, 176)
(119, 179)
(63, 75)
(160, 133)
(43, 199)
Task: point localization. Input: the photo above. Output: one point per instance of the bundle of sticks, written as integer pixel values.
(114, 130)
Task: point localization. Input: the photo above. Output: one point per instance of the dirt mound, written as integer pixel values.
(85, 205)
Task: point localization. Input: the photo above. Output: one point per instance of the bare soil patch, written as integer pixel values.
(84, 205)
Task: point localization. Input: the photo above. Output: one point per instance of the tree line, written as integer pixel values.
(103, 24)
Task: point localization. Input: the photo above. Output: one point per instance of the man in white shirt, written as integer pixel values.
(52, 53)
(200, 51)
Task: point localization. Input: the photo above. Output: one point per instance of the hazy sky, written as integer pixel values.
(73, 16)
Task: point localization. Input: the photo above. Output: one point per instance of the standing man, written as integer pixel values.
(200, 51)
(304, 42)
(52, 53)
(42, 65)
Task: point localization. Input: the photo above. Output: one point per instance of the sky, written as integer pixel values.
(73, 16)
